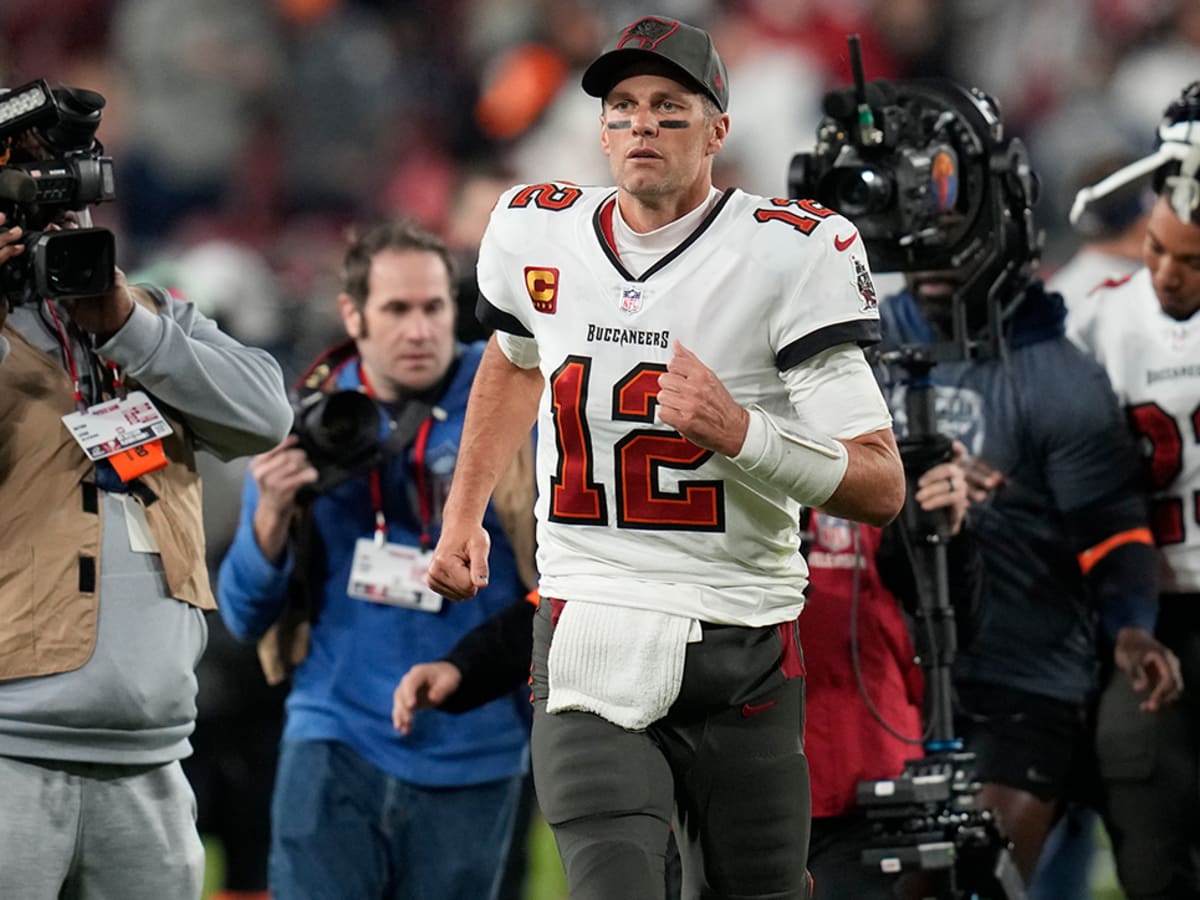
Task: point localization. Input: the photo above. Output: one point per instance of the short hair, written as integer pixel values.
(398, 234)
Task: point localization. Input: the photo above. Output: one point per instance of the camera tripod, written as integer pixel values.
(927, 818)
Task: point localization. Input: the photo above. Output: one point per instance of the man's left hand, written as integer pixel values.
(693, 401)
(1151, 667)
(945, 486)
(104, 315)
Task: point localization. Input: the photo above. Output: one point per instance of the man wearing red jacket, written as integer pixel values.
(865, 688)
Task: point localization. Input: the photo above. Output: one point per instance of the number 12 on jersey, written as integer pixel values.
(638, 459)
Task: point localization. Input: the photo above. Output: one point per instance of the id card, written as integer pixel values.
(392, 574)
(114, 426)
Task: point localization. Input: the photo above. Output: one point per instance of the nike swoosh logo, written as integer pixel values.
(753, 709)
(844, 243)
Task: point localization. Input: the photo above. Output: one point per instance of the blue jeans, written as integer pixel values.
(344, 830)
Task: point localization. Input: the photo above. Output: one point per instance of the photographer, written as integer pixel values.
(103, 582)
(1064, 539)
(361, 812)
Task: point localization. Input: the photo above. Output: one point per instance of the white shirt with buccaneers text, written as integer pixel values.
(1153, 362)
(630, 513)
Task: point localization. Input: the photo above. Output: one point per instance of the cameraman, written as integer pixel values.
(1064, 539)
(361, 812)
(103, 581)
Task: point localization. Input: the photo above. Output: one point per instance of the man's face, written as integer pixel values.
(405, 330)
(1171, 252)
(934, 293)
(657, 136)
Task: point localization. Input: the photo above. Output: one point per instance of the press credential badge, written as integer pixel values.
(392, 574)
(111, 427)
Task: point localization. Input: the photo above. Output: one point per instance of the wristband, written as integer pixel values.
(807, 468)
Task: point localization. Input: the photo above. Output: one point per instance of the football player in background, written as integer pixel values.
(1145, 331)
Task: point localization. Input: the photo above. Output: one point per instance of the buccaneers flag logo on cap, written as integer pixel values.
(646, 33)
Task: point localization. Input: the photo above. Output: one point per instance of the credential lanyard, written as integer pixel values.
(375, 479)
(73, 368)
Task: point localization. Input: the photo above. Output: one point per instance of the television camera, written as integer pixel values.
(923, 170)
(52, 164)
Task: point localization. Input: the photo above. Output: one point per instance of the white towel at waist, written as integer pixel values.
(623, 664)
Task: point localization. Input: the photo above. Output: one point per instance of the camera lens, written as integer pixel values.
(74, 263)
(857, 191)
(345, 425)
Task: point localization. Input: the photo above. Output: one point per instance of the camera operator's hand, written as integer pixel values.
(103, 316)
(279, 474)
(983, 479)
(1152, 668)
(10, 247)
(945, 486)
(10, 240)
(423, 686)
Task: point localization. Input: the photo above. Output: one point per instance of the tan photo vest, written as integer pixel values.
(50, 520)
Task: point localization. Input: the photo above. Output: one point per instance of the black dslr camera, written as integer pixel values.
(340, 433)
(51, 163)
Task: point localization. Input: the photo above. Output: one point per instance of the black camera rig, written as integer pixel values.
(923, 170)
(927, 818)
(51, 164)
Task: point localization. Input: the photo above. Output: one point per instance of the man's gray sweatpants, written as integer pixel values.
(88, 831)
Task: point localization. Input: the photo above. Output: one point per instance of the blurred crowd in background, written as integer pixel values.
(248, 136)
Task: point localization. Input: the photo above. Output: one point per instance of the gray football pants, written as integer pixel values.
(726, 764)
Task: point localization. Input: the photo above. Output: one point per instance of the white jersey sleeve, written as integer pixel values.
(521, 351)
(835, 393)
(829, 298)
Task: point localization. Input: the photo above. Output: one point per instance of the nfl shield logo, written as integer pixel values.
(834, 534)
(631, 299)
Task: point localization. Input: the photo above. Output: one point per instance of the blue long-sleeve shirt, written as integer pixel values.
(359, 650)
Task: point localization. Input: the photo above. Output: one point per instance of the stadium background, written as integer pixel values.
(249, 134)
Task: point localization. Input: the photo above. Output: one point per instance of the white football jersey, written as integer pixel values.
(1153, 362)
(629, 511)
(1088, 271)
